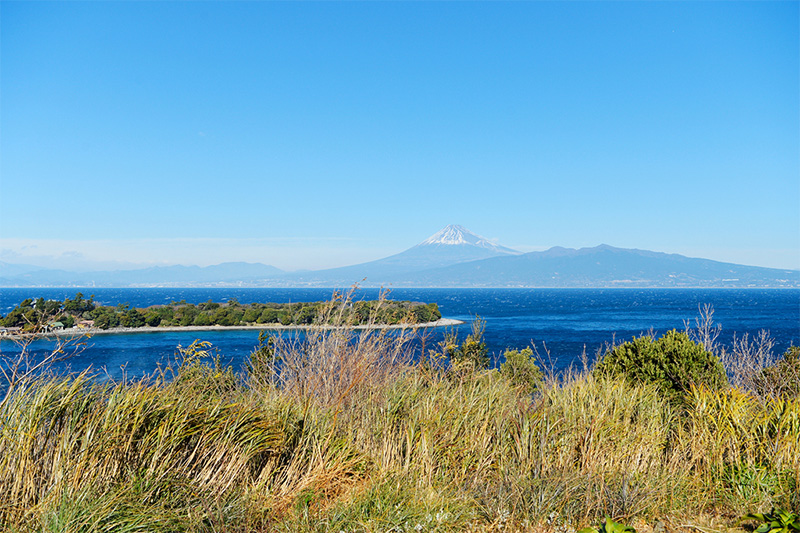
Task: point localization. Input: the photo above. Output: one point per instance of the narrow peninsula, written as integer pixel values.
(80, 315)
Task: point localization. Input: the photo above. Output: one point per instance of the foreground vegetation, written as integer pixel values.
(348, 430)
(30, 314)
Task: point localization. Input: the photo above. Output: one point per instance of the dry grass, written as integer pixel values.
(337, 430)
(331, 361)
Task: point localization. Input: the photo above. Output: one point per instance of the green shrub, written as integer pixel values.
(152, 319)
(776, 522)
(521, 369)
(268, 316)
(472, 351)
(783, 378)
(133, 318)
(202, 319)
(673, 363)
(609, 526)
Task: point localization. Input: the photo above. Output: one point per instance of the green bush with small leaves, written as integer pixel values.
(609, 526)
(783, 378)
(673, 363)
(472, 351)
(521, 370)
(775, 522)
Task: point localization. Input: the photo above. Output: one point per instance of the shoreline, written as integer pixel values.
(81, 332)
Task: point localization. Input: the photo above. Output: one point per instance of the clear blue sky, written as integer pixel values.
(309, 135)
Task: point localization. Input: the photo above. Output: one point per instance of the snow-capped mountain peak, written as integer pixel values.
(454, 235)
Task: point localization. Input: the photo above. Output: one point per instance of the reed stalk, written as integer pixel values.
(338, 429)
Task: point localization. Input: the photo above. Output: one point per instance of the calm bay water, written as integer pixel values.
(562, 322)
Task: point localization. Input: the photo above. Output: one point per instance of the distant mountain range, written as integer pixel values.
(12, 275)
(453, 257)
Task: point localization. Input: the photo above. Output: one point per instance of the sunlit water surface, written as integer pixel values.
(560, 322)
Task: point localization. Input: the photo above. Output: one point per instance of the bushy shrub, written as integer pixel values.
(152, 319)
(673, 363)
(783, 378)
(472, 351)
(199, 367)
(521, 370)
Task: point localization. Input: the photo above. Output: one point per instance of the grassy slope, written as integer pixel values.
(352, 437)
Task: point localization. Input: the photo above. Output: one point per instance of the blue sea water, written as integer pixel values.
(560, 322)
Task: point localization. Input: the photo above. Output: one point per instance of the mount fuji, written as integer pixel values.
(451, 245)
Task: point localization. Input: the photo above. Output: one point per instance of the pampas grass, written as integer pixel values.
(338, 430)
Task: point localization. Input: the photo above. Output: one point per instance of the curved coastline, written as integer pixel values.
(81, 332)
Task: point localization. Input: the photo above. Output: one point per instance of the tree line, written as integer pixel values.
(33, 314)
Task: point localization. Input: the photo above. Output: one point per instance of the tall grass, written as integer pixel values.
(338, 430)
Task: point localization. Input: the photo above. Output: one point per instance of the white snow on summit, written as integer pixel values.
(452, 234)
(459, 235)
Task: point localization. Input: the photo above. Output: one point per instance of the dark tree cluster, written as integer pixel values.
(35, 315)
(230, 313)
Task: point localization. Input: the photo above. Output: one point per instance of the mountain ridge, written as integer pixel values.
(606, 266)
(451, 257)
(171, 275)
